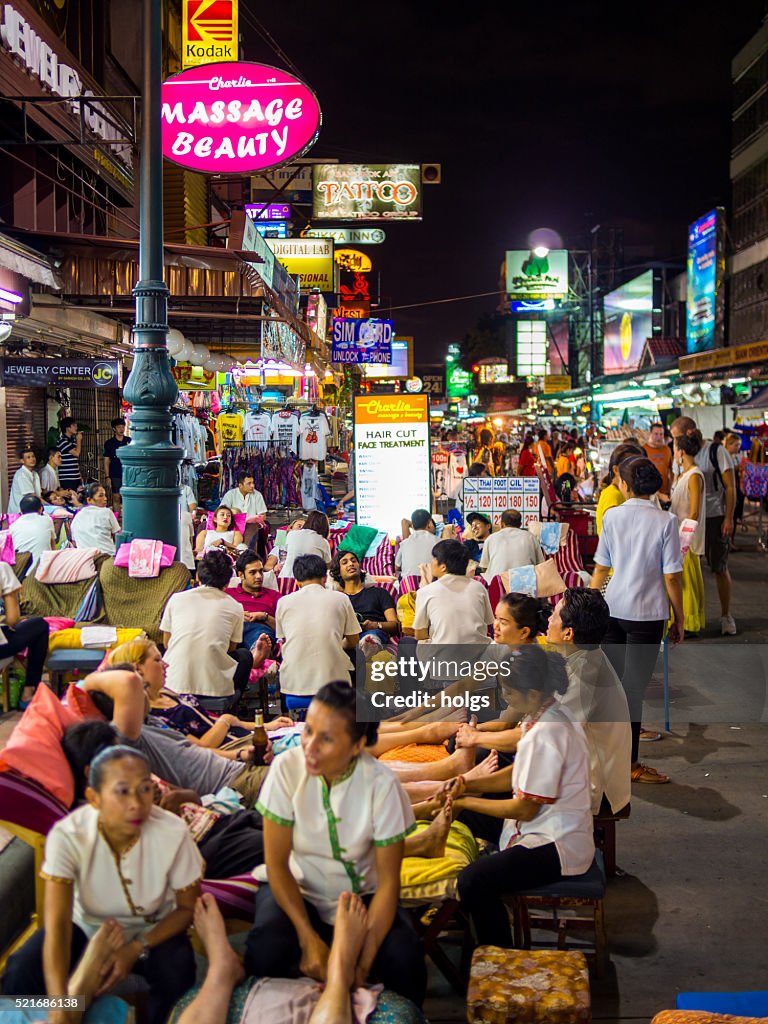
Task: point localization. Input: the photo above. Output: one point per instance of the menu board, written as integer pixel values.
(392, 459)
(493, 495)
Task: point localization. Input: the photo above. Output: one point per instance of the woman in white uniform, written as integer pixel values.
(311, 539)
(546, 832)
(335, 820)
(95, 525)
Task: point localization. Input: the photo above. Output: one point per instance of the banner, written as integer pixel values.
(554, 383)
(391, 438)
(209, 32)
(348, 236)
(41, 373)
(494, 495)
(310, 258)
(362, 341)
(366, 191)
(529, 276)
(193, 378)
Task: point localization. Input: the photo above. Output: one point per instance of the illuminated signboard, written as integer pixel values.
(348, 236)
(401, 365)
(366, 192)
(310, 258)
(628, 323)
(271, 228)
(391, 442)
(353, 259)
(209, 31)
(236, 118)
(317, 314)
(459, 382)
(361, 341)
(268, 211)
(494, 373)
(531, 348)
(705, 299)
(537, 277)
(354, 288)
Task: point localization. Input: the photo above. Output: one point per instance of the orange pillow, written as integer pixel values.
(79, 703)
(34, 747)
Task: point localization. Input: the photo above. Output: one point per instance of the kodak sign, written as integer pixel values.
(209, 32)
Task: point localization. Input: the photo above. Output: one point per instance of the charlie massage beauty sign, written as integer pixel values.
(237, 117)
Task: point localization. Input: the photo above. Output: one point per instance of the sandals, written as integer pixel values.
(646, 736)
(644, 773)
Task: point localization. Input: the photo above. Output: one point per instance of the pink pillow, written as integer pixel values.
(239, 520)
(34, 747)
(124, 551)
(80, 704)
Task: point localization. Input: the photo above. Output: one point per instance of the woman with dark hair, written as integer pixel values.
(526, 465)
(223, 535)
(641, 544)
(335, 820)
(95, 525)
(544, 826)
(610, 494)
(520, 619)
(311, 539)
(118, 859)
(688, 502)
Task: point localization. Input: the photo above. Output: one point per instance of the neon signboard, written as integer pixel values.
(237, 118)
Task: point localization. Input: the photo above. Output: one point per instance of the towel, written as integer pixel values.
(144, 559)
(522, 580)
(293, 1000)
(123, 556)
(549, 537)
(98, 636)
(71, 565)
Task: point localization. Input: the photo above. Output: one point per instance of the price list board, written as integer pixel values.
(492, 496)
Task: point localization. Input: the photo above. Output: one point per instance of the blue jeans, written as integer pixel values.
(378, 633)
(253, 630)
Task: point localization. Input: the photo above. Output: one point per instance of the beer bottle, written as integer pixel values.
(259, 740)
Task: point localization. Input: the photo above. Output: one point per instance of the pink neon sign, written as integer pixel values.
(237, 117)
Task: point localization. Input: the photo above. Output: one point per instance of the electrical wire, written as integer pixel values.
(254, 23)
(441, 302)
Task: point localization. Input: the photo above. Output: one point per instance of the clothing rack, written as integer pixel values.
(276, 472)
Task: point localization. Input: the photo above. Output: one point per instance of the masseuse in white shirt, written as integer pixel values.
(95, 526)
(642, 546)
(33, 531)
(245, 497)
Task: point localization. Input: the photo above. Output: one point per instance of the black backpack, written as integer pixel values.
(714, 462)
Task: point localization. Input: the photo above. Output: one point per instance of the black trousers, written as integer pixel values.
(32, 634)
(633, 649)
(272, 948)
(483, 883)
(244, 660)
(169, 970)
(234, 845)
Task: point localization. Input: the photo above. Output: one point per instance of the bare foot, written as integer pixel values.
(431, 842)
(335, 1006)
(96, 961)
(484, 769)
(209, 925)
(425, 810)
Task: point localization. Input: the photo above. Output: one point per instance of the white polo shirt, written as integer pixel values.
(641, 543)
(35, 533)
(596, 699)
(552, 769)
(312, 622)
(95, 527)
(508, 549)
(304, 542)
(203, 623)
(455, 610)
(164, 861)
(414, 551)
(252, 504)
(336, 829)
(25, 481)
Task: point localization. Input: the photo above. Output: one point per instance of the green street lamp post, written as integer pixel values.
(151, 462)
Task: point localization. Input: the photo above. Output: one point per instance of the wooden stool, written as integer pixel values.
(507, 985)
(580, 895)
(604, 823)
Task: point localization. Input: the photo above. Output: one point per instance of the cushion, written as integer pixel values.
(34, 746)
(416, 753)
(71, 639)
(79, 702)
(703, 1017)
(746, 1004)
(239, 521)
(357, 540)
(434, 878)
(589, 886)
(69, 566)
(528, 986)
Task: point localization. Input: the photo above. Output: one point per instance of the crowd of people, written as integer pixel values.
(323, 817)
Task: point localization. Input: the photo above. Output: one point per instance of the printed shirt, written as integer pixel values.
(137, 889)
(286, 430)
(336, 829)
(314, 436)
(230, 428)
(552, 769)
(257, 427)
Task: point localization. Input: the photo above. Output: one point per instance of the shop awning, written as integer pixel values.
(758, 401)
(30, 264)
(56, 324)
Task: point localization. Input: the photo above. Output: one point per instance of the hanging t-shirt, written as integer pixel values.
(231, 428)
(440, 474)
(457, 471)
(314, 436)
(257, 427)
(285, 429)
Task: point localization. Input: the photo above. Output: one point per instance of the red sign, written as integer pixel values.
(359, 290)
(237, 118)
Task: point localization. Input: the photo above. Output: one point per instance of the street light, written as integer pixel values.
(541, 251)
(150, 490)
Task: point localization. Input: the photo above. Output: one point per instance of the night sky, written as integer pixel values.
(542, 115)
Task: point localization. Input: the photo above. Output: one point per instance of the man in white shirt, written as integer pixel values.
(33, 531)
(416, 549)
(595, 696)
(510, 548)
(201, 632)
(245, 497)
(454, 609)
(49, 474)
(317, 627)
(26, 480)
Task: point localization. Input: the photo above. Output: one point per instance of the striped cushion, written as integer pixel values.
(27, 804)
(235, 896)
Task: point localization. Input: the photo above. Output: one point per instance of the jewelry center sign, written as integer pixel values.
(391, 437)
(237, 118)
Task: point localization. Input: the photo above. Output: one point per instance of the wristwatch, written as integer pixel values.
(145, 950)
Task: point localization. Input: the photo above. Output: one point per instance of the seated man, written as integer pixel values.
(454, 609)
(480, 527)
(245, 497)
(33, 531)
(202, 629)
(510, 548)
(374, 606)
(259, 602)
(595, 696)
(416, 548)
(317, 627)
